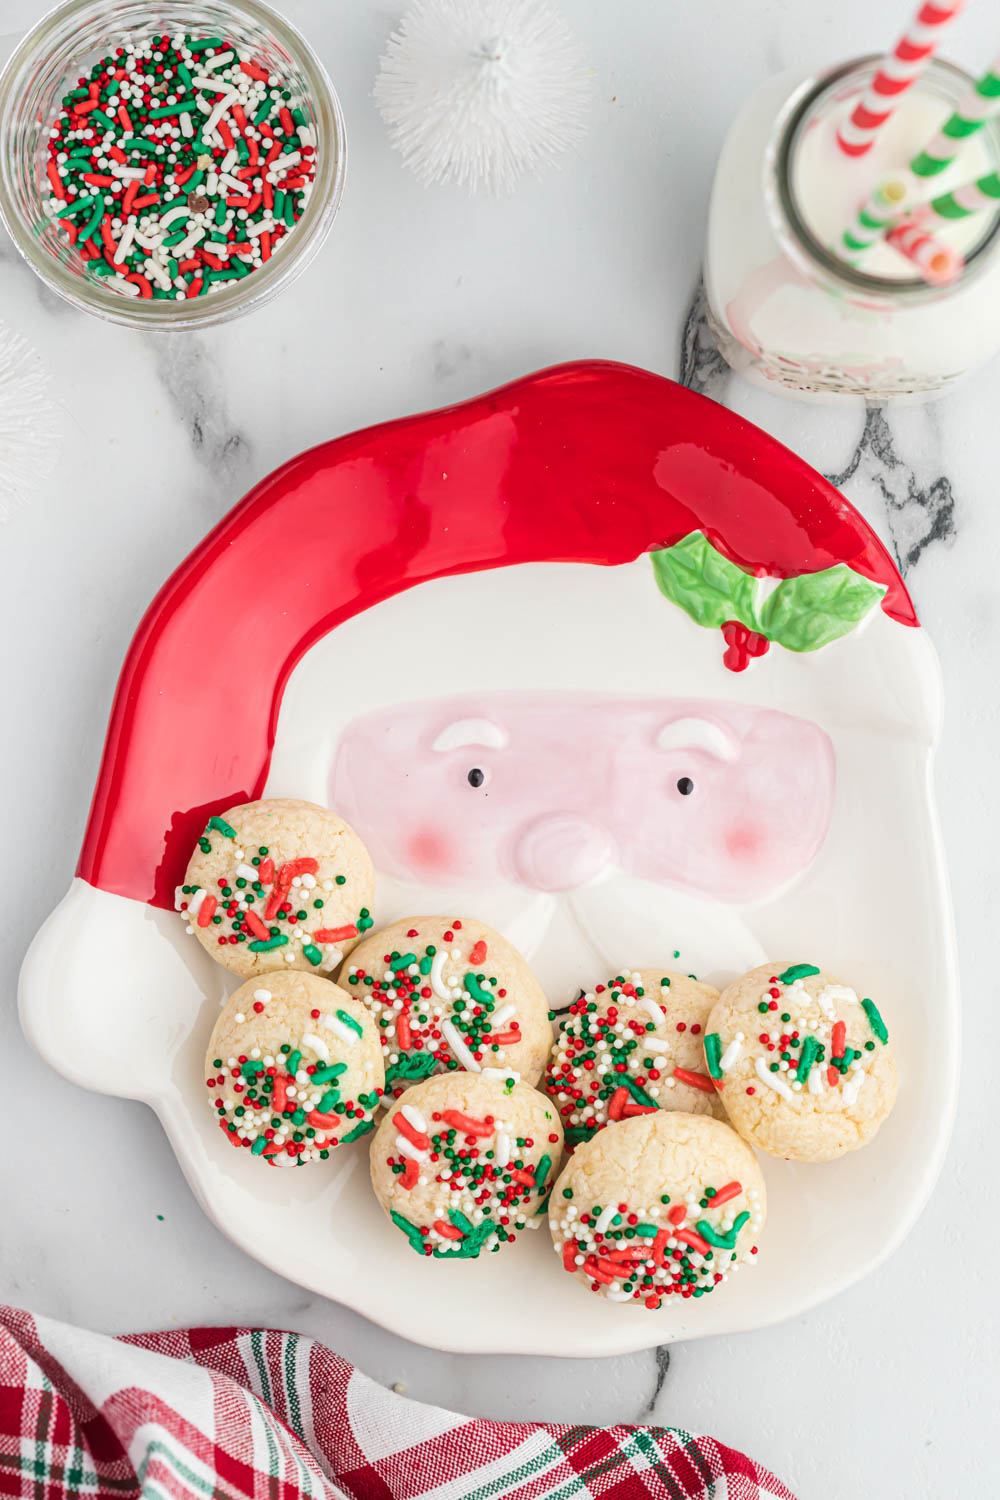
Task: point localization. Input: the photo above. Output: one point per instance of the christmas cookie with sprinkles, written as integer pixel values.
(462, 1163)
(277, 885)
(293, 1069)
(449, 994)
(178, 165)
(803, 1062)
(630, 1046)
(663, 1205)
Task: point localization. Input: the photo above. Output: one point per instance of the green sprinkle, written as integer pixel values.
(460, 1221)
(294, 1058)
(411, 1231)
(264, 946)
(472, 985)
(542, 1171)
(808, 1055)
(312, 953)
(798, 971)
(78, 207)
(647, 1231)
(324, 1075)
(206, 44)
(638, 1093)
(172, 109)
(722, 1241)
(328, 1100)
(90, 228)
(221, 826)
(259, 1145)
(350, 1022)
(248, 1069)
(875, 1021)
(713, 1051)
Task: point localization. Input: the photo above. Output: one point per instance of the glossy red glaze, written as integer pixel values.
(591, 462)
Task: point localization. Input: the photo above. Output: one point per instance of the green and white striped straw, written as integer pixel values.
(886, 203)
(980, 104)
(970, 198)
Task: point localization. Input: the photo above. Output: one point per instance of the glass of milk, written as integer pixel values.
(788, 313)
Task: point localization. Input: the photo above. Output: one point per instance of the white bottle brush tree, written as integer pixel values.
(480, 92)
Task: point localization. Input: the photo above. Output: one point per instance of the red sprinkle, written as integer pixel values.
(619, 1099)
(478, 953)
(695, 1080)
(256, 926)
(731, 1190)
(411, 1133)
(335, 934)
(465, 1123)
(690, 1237)
(206, 910)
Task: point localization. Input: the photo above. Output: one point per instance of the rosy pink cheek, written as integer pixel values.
(744, 842)
(429, 848)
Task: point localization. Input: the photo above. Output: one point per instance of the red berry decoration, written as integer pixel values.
(741, 645)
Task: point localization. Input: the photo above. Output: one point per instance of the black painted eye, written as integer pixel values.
(685, 786)
(476, 776)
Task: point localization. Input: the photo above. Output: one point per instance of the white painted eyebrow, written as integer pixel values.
(471, 732)
(698, 734)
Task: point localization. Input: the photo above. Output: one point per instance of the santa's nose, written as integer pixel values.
(560, 851)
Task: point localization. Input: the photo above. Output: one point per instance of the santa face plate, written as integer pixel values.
(471, 591)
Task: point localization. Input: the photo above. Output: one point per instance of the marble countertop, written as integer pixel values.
(423, 297)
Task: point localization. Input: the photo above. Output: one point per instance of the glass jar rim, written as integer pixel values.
(809, 253)
(263, 283)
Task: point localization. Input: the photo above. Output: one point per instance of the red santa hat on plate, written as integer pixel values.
(584, 463)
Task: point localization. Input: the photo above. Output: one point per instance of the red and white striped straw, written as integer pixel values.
(898, 72)
(937, 263)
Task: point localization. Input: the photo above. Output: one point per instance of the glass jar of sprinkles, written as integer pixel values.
(185, 170)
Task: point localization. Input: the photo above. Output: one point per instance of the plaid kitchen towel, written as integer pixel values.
(227, 1413)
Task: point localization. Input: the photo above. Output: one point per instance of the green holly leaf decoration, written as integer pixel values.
(805, 613)
(801, 614)
(705, 584)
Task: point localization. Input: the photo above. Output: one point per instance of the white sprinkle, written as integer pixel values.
(411, 1112)
(240, 1017)
(407, 1148)
(833, 994)
(502, 1149)
(243, 872)
(651, 1044)
(614, 1296)
(459, 1050)
(772, 1080)
(262, 995)
(653, 1010)
(852, 1087)
(731, 1054)
(317, 1045)
(501, 1016)
(604, 1219)
(194, 905)
(503, 1073)
(334, 1024)
(437, 964)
